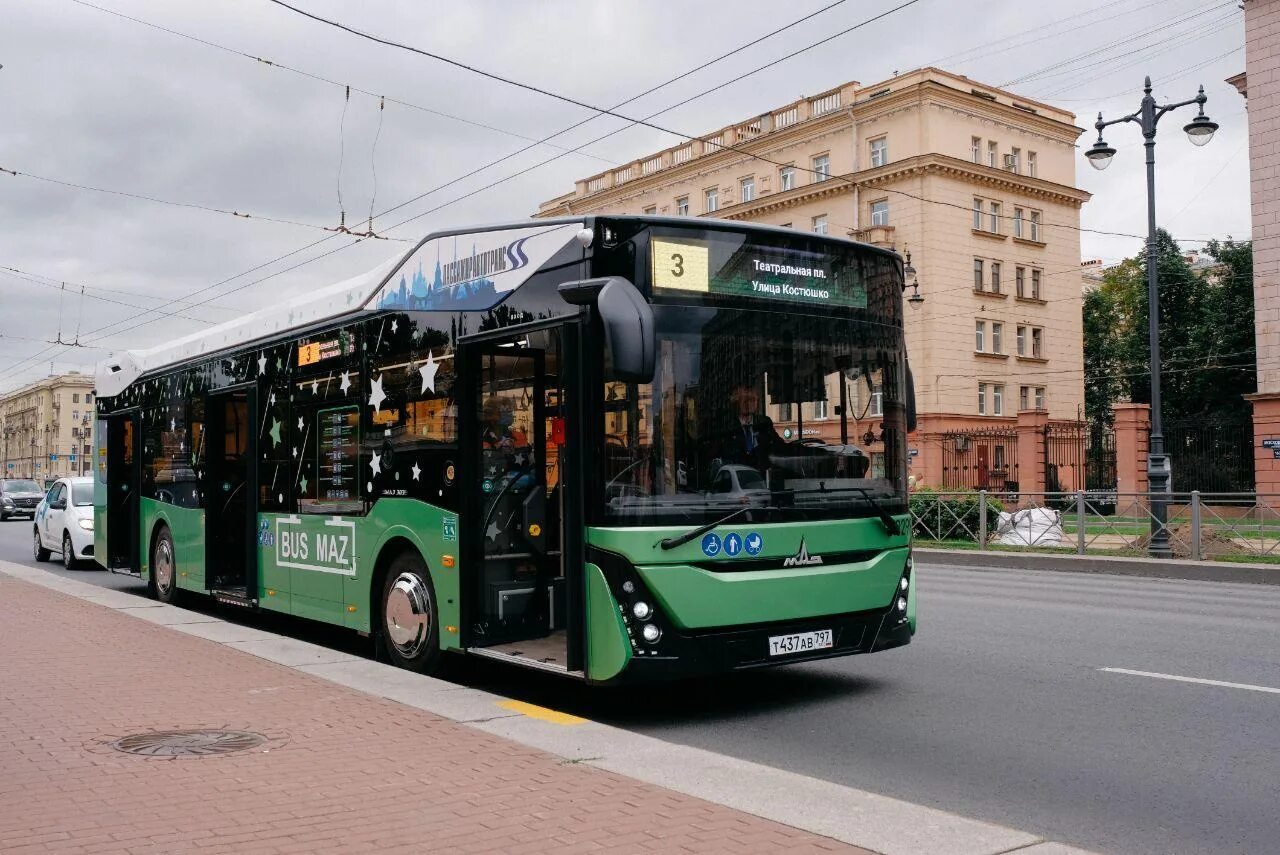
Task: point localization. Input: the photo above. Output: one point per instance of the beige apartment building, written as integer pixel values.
(977, 183)
(46, 428)
(1260, 83)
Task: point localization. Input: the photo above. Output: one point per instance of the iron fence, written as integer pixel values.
(985, 459)
(1200, 526)
(1211, 456)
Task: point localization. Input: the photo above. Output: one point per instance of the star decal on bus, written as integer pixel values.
(428, 372)
(376, 395)
(375, 463)
(346, 382)
(416, 470)
(262, 364)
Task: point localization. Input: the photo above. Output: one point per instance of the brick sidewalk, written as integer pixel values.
(345, 771)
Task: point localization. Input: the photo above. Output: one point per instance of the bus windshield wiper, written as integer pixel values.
(673, 542)
(890, 524)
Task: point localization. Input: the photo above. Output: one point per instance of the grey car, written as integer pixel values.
(19, 497)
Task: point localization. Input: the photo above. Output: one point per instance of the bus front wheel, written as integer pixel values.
(164, 568)
(409, 614)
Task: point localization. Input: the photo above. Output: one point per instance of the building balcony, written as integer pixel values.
(881, 236)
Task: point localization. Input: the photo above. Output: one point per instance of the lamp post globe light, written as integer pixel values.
(1199, 130)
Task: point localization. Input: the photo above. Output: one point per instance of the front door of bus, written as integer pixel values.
(122, 479)
(513, 525)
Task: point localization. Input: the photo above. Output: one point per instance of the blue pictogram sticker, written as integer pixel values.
(711, 545)
(754, 543)
(732, 544)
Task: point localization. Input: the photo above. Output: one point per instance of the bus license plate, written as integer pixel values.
(800, 642)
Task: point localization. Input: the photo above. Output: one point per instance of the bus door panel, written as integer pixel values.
(512, 524)
(231, 496)
(121, 481)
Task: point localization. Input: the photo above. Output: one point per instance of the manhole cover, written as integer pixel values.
(188, 743)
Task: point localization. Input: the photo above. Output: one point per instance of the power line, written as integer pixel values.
(314, 76)
(190, 205)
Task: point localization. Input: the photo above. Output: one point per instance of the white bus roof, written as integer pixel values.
(532, 244)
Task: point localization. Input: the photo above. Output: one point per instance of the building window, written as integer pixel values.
(1015, 158)
(1017, 222)
(997, 337)
(747, 186)
(1035, 225)
(997, 400)
(819, 409)
(75, 414)
(651, 210)
(712, 199)
(877, 401)
(75, 397)
(88, 397)
(982, 399)
(995, 218)
(1035, 284)
(995, 277)
(979, 335)
(682, 206)
(820, 224)
(975, 146)
(787, 178)
(822, 167)
(1019, 280)
(1031, 164)
(993, 153)
(977, 274)
(1037, 343)
(1022, 341)
(1039, 397)
(997, 458)
(880, 213)
(1024, 397)
(880, 151)
(977, 214)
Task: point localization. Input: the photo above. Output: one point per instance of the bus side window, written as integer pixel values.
(328, 395)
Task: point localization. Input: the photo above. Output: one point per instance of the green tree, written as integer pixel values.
(1206, 334)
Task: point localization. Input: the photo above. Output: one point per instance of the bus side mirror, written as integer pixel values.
(911, 400)
(627, 319)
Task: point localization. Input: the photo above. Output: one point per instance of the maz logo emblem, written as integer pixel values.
(802, 558)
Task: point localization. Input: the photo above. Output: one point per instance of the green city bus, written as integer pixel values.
(614, 448)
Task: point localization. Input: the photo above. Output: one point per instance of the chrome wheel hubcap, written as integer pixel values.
(164, 565)
(408, 614)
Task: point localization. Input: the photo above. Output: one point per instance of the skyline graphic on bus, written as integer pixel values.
(423, 294)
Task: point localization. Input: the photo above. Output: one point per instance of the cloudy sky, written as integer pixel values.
(91, 98)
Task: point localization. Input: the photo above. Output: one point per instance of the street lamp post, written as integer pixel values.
(1199, 130)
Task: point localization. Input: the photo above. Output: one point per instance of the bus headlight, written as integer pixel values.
(86, 524)
(903, 584)
(641, 610)
(651, 633)
(902, 604)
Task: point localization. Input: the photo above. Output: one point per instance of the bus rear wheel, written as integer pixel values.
(164, 568)
(409, 629)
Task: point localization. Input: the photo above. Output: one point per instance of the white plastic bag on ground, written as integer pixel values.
(1031, 527)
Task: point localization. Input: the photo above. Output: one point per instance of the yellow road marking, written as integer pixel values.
(535, 711)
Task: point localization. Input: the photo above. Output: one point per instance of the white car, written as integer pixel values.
(64, 522)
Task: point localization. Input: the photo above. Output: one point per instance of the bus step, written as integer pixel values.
(238, 596)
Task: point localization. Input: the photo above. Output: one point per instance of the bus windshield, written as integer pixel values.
(797, 416)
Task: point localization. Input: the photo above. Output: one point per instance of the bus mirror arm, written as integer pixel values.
(627, 319)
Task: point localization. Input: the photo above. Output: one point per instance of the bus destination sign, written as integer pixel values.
(751, 270)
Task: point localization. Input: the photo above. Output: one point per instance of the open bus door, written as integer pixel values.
(116, 492)
(521, 534)
(231, 495)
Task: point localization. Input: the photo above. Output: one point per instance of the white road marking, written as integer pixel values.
(1201, 681)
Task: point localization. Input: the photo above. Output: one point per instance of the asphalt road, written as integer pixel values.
(998, 710)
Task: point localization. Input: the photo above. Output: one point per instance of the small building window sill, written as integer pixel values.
(1030, 242)
(1036, 300)
(1040, 359)
(989, 235)
(988, 355)
(981, 292)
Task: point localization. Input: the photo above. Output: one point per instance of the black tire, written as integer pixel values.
(69, 559)
(408, 617)
(162, 581)
(40, 553)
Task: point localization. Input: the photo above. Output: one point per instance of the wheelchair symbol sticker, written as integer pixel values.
(711, 545)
